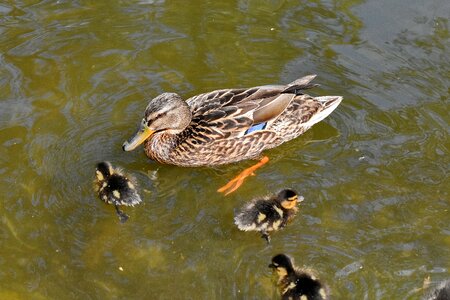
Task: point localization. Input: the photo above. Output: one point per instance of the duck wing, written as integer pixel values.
(230, 113)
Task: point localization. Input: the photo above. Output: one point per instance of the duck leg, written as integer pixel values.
(266, 236)
(123, 217)
(237, 181)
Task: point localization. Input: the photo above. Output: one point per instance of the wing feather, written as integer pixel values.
(222, 117)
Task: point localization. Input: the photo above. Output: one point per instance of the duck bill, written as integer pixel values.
(138, 138)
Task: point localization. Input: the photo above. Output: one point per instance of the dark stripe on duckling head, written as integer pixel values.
(282, 261)
(287, 194)
(105, 169)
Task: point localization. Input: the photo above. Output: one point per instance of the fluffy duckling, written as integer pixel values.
(297, 284)
(441, 292)
(114, 187)
(268, 214)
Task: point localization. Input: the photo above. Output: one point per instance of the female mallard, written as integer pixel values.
(230, 125)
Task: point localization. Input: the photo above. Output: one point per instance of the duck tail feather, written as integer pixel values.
(300, 84)
(329, 105)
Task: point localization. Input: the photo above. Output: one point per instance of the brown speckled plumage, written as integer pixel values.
(216, 130)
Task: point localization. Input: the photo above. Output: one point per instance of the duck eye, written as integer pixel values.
(151, 118)
(294, 198)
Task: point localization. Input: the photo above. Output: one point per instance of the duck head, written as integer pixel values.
(282, 264)
(166, 113)
(289, 198)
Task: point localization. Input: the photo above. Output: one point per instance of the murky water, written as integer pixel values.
(75, 77)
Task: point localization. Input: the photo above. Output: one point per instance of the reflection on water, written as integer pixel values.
(76, 77)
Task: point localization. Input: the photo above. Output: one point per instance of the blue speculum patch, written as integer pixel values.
(256, 127)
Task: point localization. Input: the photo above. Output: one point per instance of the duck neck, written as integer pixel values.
(290, 269)
(161, 145)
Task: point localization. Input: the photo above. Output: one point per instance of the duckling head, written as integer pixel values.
(282, 264)
(166, 113)
(289, 198)
(104, 170)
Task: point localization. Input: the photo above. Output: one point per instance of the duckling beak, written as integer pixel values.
(143, 133)
(300, 199)
(272, 266)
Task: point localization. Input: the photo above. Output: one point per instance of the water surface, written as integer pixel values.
(77, 75)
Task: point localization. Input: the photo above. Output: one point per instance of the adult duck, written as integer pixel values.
(229, 125)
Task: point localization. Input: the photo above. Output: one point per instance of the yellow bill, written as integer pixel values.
(138, 138)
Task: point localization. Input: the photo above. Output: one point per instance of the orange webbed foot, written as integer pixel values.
(237, 181)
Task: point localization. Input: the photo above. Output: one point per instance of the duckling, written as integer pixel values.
(114, 187)
(441, 292)
(297, 284)
(268, 214)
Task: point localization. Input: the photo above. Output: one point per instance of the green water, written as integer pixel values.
(75, 77)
